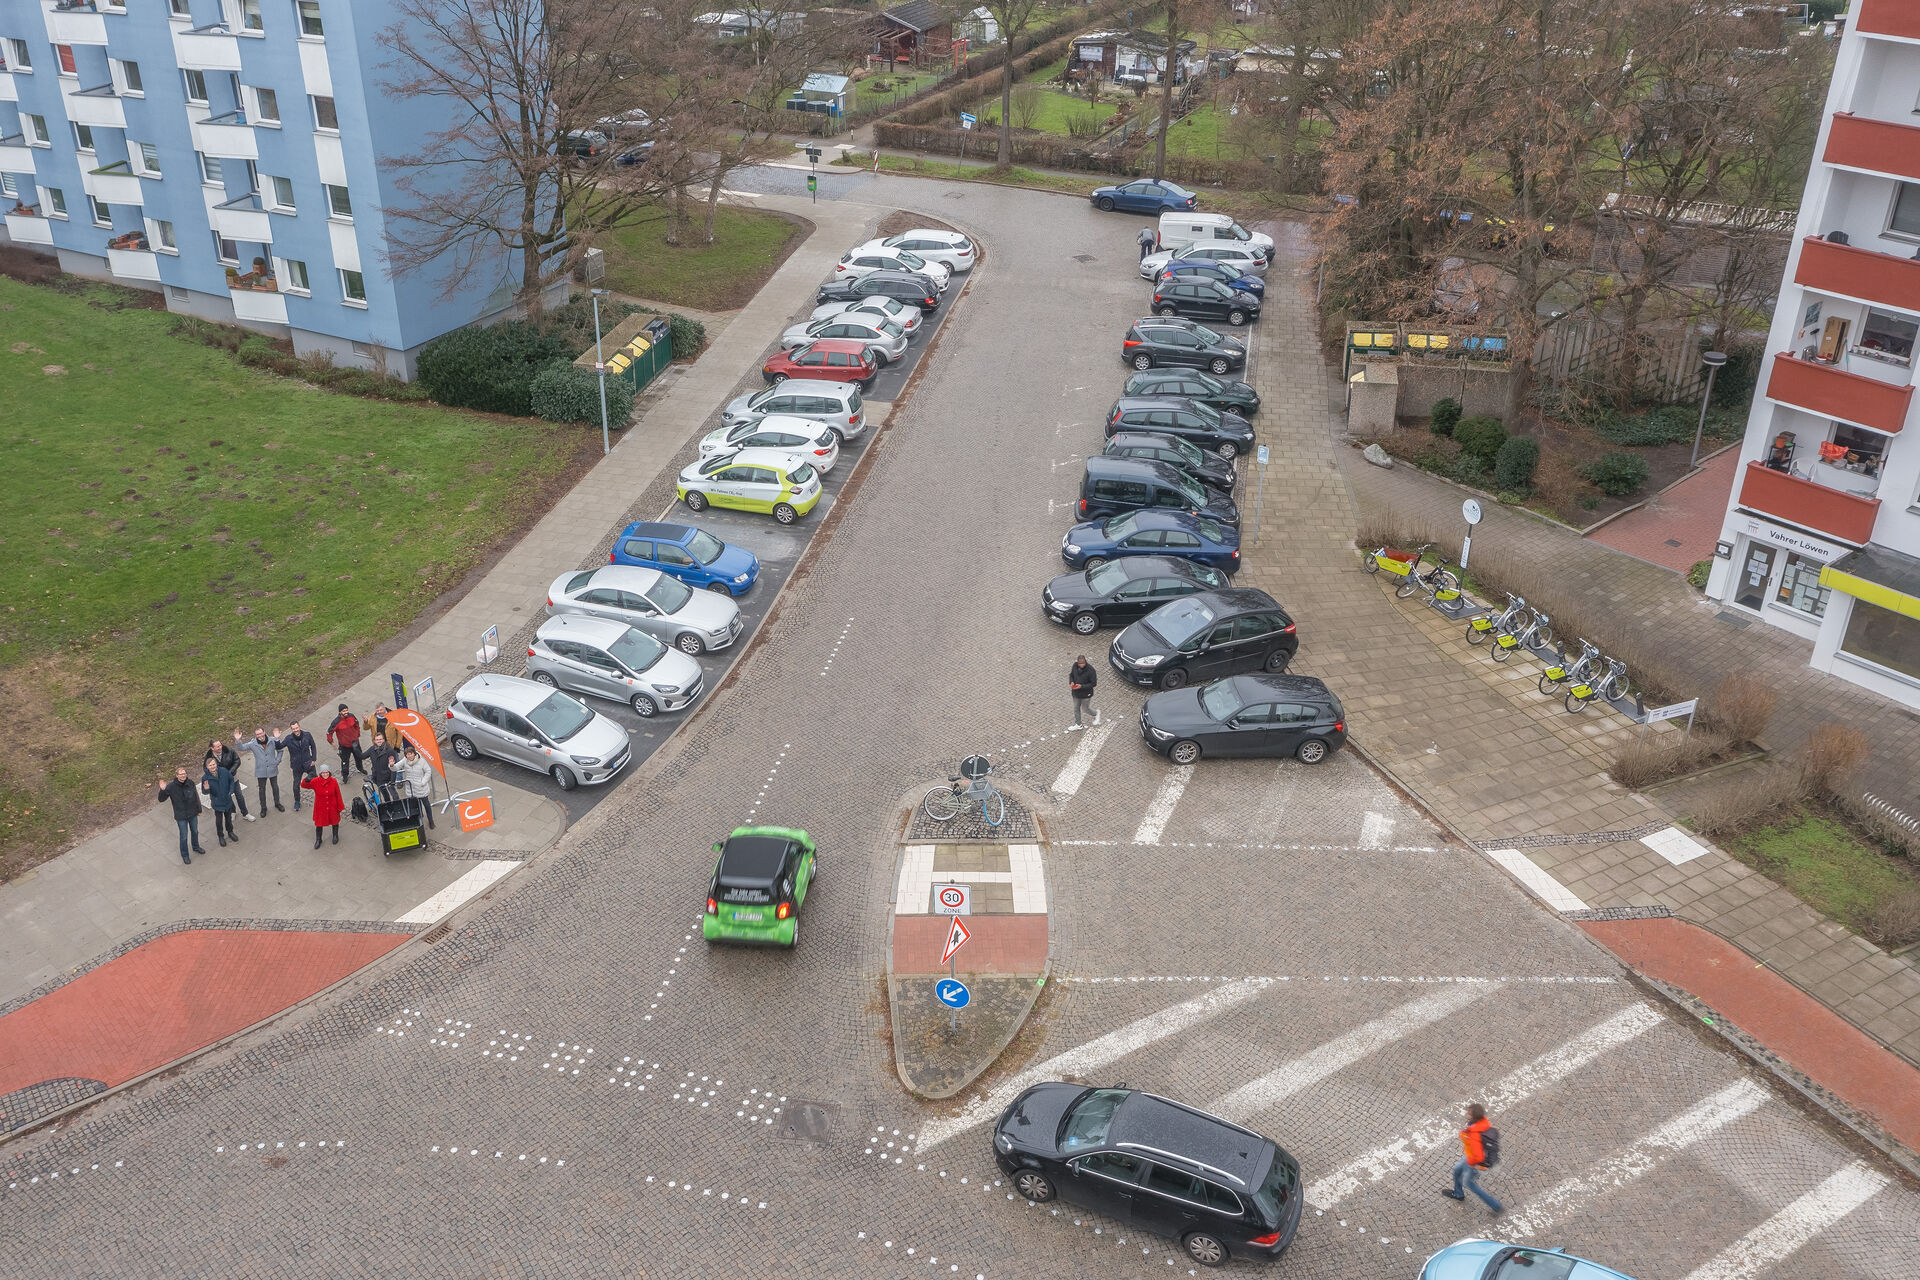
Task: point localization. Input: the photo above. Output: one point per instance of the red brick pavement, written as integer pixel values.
(1000, 944)
(1690, 514)
(169, 997)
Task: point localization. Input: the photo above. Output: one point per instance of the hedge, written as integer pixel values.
(1514, 464)
(490, 368)
(563, 393)
(1050, 151)
(1480, 439)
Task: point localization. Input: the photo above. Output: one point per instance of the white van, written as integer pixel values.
(1177, 230)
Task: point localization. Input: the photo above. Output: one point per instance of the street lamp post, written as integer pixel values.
(600, 366)
(1713, 360)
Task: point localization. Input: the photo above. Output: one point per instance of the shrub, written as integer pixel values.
(1741, 706)
(1740, 803)
(1482, 438)
(1617, 475)
(563, 393)
(1514, 463)
(1697, 574)
(1648, 760)
(1830, 755)
(1668, 424)
(1895, 920)
(1446, 416)
(573, 321)
(490, 368)
(689, 336)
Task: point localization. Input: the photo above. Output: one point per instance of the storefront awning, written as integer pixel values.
(1878, 575)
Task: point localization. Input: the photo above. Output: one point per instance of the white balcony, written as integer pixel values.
(98, 107)
(16, 156)
(243, 219)
(8, 93)
(259, 306)
(134, 264)
(207, 49)
(29, 228)
(226, 137)
(75, 22)
(114, 184)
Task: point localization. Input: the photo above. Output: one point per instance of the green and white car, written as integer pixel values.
(759, 885)
(782, 484)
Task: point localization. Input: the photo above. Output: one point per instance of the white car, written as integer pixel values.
(818, 440)
(648, 600)
(904, 314)
(883, 337)
(872, 257)
(949, 247)
(1248, 259)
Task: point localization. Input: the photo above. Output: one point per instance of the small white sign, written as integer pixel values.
(1260, 452)
(423, 694)
(953, 899)
(1470, 510)
(1656, 714)
(489, 646)
(967, 119)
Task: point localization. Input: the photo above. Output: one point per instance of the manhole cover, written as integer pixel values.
(1084, 257)
(807, 1122)
(1673, 542)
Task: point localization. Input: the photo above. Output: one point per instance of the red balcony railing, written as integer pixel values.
(1887, 18)
(1859, 273)
(1835, 393)
(1809, 505)
(1874, 145)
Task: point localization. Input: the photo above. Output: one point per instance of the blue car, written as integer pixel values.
(692, 555)
(1497, 1260)
(1152, 533)
(1148, 195)
(1217, 271)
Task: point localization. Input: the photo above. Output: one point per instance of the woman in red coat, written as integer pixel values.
(327, 804)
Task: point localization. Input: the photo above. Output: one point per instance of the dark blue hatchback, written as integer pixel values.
(692, 555)
(1152, 533)
(1226, 275)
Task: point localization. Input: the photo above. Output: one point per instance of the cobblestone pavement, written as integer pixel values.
(572, 1083)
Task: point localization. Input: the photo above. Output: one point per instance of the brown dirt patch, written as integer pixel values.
(28, 268)
(902, 220)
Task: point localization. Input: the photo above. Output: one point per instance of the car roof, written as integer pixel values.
(1158, 1126)
(630, 576)
(1149, 566)
(759, 456)
(951, 237)
(816, 387)
(1153, 439)
(1126, 403)
(752, 860)
(1101, 464)
(1160, 518)
(846, 346)
(509, 692)
(776, 421)
(1258, 683)
(656, 529)
(573, 626)
(1238, 599)
(888, 273)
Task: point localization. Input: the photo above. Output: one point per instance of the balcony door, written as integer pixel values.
(1756, 572)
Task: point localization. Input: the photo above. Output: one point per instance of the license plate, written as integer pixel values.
(750, 915)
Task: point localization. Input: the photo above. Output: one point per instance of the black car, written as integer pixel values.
(1252, 715)
(1151, 344)
(1118, 591)
(1225, 433)
(907, 286)
(1209, 469)
(1203, 299)
(1111, 486)
(1154, 1164)
(1201, 388)
(1201, 637)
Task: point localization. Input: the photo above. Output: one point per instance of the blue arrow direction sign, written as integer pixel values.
(952, 993)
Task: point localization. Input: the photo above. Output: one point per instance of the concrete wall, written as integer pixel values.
(1479, 391)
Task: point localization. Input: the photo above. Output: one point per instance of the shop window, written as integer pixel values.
(1884, 638)
(1887, 338)
(1800, 588)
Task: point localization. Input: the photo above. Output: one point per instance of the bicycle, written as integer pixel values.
(1498, 624)
(1538, 633)
(1612, 686)
(944, 804)
(1439, 582)
(1583, 667)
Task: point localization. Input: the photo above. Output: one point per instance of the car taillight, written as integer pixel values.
(1290, 627)
(449, 713)
(930, 302)
(1083, 506)
(529, 651)
(1115, 417)
(853, 419)
(549, 602)
(1156, 297)
(713, 908)
(1339, 726)
(1130, 342)
(610, 556)
(821, 453)
(1271, 1238)
(785, 909)
(1236, 555)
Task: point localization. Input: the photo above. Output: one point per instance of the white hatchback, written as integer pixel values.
(817, 440)
(949, 247)
(873, 257)
(1232, 253)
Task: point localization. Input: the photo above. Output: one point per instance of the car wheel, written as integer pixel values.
(1174, 679)
(720, 589)
(1163, 310)
(1277, 661)
(546, 680)
(463, 747)
(563, 778)
(1217, 366)
(1205, 1249)
(696, 501)
(1236, 317)
(784, 513)
(1104, 204)
(1143, 361)
(1312, 751)
(1034, 1185)
(1093, 562)
(643, 706)
(1227, 449)
(689, 643)
(838, 439)
(1185, 751)
(1085, 623)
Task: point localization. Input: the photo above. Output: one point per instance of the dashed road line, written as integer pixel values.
(764, 786)
(835, 651)
(1160, 811)
(20, 1179)
(1786, 1231)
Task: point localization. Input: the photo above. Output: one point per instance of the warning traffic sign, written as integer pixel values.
(956, 939)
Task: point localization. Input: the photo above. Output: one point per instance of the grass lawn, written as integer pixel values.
(193, 546)
(1014, 176)
(1052, 112)
(747, 246)
(898, 87)
(1822, 862)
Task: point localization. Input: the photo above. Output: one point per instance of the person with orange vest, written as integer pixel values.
(1480, 1148)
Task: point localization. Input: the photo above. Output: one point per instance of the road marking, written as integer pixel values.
(1544, 886)
(1243, 844)
(1339, 977)
(1029, 879)
(1343, 1051)
(1161, 810)
(916, 881)
(1549, 1068)
(1074, 772)
(1675, 845)
(1702, 1120)
(1376, 831)
(1091, 1056)
(460, 892)
(1794, 1225)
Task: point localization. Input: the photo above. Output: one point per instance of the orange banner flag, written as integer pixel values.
(415, 729)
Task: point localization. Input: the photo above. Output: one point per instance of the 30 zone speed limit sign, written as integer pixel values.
(953, 900)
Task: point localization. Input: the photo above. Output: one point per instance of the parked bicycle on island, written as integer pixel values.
(1576, 672)
(968, 787)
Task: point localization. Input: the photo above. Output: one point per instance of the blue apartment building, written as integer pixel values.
(227, 153)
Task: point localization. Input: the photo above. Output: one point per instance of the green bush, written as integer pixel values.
(689, 336)
(1481, 438)
(1668, 424)
(1464, 468)
(1733, 385)
(1697, 574)
(490, 368)
(1616, 474)
(1514, 463)
(1446, 416)
(563, 393)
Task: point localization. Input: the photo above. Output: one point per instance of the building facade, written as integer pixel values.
(1822, 534)
(228, 154)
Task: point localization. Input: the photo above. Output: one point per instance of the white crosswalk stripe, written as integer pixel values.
(1160, 811)
(1549, 1068)
(1786, 1231)
(1376, 831)
(1074, 772)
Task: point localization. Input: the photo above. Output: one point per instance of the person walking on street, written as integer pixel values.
(302, 751)
(1081, 677)
(417, 774)
(266, 764)
(327, 803)
(1148, 241)
(221, 788)
(1480, 1149)
(380, 757)
(186, 812)
(344, 734)
(230, 761)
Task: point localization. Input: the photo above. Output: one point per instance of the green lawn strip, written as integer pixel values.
(747, 246)
(1015, 176)
(193, 546)
(1819, 860)
(898, 87)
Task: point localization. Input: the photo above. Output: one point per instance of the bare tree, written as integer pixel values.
(1013, 17)
(1307, 36)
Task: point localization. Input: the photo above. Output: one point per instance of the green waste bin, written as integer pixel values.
(641, 357)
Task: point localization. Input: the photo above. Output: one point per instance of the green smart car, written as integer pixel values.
(759, 885)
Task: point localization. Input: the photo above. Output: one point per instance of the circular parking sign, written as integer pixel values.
(951, 897)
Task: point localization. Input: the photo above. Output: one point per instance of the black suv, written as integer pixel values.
(1154, 1164)
(1201, 388)
(906, 286)
(1204, 636)
(1226, 434)
(1110, 486)
(1150, 344)
(1209, 469)
(1249, 715)
(1204, 300)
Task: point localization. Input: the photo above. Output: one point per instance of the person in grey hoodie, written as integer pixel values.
(417, 773)
(266, 764)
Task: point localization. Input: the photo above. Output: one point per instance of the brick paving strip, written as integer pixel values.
(1506, 769)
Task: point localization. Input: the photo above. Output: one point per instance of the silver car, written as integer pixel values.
(881, 335)
(838, 404)
(524, 722)
(904, 314)
(612, 660)
(665, 608)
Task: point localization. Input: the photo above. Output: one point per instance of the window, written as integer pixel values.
(146, 158)
(1905, 219)
(210, 170)
(56, 202)
(1888, 338)
(282, 191)
(1800, 587)
(1172, 1182)
(17, 59)
(310, 19)
(196, 84)
(294, 275)
(8, 187)
(353, 288)
(181, 8)
(365, 351)
(250, 16)
(226, 250)
(1112, 1164)
(266, 107)
(339, 205)
(130, 79)
(64, 53)
(35, 127)
(162, 236)
(1855, 450)
(178, 294)
(83, 137)
(102, 215)
(1884, 638)
(324, 116)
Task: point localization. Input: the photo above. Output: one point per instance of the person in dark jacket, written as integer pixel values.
(302, 752)
(380, 758)
(221, 789)
(344, 733)
(230, 761)
(1081, 677)
(186, 812)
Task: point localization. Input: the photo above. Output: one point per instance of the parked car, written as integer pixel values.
(690, 554)
(1248, 715)
(1473, 1259)
(584, 144)
(904, 314)
(666, 608)
(950, 247)
(1225, 273)
(524, 722)
(1204, 637)
(1160, 1166)
(759, 883)
(1109, 486)
(1180, 228)
(612, 660)
(1147, 195)
(1201, 388)
(1151, 344)
(1226, 434)
(1248, 259)
(1189, 459)
(1203, 299)
(826, 359)
(883, 339)
(838, 404)
(874, 256)
(1120, 591)
(814, 440)
(903, 286)
(1152, 533)
(783, 485)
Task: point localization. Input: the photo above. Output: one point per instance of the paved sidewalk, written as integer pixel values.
(1678, 527)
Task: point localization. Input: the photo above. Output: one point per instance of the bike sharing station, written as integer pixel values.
(968, 946)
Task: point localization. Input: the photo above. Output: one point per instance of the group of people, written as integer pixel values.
(225, 794)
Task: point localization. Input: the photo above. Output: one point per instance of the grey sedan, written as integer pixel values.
(647, 600)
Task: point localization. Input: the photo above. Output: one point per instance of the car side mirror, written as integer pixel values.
(716, 846)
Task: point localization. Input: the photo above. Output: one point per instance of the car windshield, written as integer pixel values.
(1206, 335)
(560, 717)
(1122, 525)
(1203, 574)
(1533, 1264)
(1087, 1124)
(636, 650)
(1220, 701)
(1277, 1187)
(892, 330)
(1107, 579)
(1209, 530)
(1180, 621)
(756, 401)
(801, 474)
(1207, 412)
(1240, 232)
(714, 463)
(1212, 385)
(704, 547)
(913, 260)
(1189, 454)
(669, 594)
(1193, 493)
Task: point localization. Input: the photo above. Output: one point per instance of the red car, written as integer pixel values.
(832, 359)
